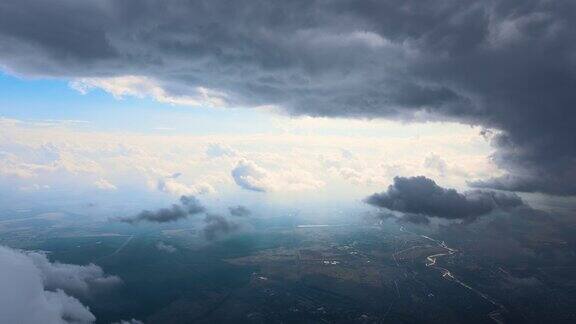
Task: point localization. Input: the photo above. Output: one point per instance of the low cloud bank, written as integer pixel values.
(216, 226)
(422, 196)
(188, 206)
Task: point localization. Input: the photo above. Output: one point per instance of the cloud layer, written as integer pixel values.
(422, 196)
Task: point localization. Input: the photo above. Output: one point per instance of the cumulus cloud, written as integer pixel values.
(217, 226)
(250, 176)
(362, 176)
(189, 206)
(172, 186)
(36, 160)
(466, 61)
(37, 291)
(23, 161)
(239, 211)
(422, 196)
(72, 279)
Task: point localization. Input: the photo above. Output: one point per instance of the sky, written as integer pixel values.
(57, 141)
(280, 101)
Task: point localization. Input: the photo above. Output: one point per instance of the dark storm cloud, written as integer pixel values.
(422, 196)
(239, 211)
(188, 206)
(217, 225)
(506, 65)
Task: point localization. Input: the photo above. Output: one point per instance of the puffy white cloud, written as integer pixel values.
(37, 291)
(250, 176)
(171, 186)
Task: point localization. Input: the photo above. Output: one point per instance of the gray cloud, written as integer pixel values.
(239, 211)
(217, 225)
(422, 196)
(161, 215)
(188, 206)
(503, 65)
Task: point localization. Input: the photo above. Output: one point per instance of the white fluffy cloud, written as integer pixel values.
(37, 291)
(73, 279)
(250, 176)
(171, 186)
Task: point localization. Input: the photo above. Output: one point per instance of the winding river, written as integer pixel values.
(495, 315)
